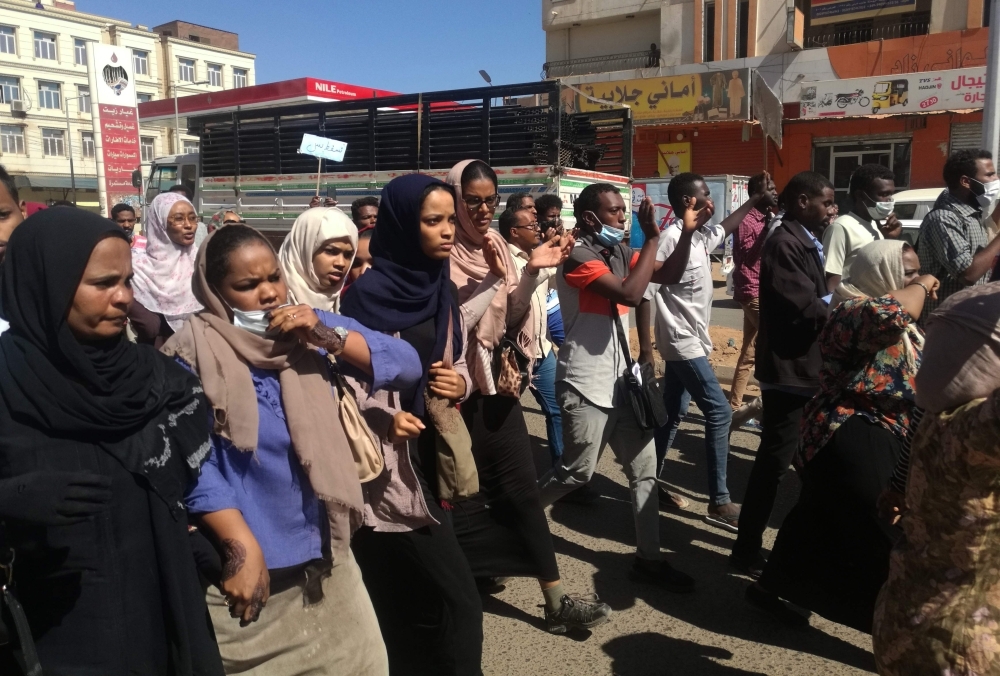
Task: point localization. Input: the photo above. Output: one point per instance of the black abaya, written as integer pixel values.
(831, 554)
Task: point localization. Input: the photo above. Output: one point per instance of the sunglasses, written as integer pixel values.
(232, 222)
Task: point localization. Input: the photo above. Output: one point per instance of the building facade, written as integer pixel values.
(883, 54)
(45, 116)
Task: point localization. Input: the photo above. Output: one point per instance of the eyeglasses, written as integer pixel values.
(181, 219)
(530, 226)
(474, 203)
(232, 222)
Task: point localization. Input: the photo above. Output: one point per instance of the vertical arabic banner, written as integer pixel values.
(116, 121)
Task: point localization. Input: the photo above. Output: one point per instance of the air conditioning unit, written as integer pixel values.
(18, 109)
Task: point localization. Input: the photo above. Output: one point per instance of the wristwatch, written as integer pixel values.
(341, 334)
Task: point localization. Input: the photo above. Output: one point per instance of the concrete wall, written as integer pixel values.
(676, 37)
(603, 38)
(949, 15)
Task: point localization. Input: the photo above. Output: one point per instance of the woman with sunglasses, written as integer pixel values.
(503, 530)
(163, 270)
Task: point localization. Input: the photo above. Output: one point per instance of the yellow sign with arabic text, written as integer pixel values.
(698, 97)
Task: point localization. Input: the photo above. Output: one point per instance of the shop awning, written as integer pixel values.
(61, 181)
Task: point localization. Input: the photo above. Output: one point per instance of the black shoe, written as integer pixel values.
(754, 567)
(775, 607)
(584, 495)
(578, 611)
(491, 585)
(662, 574)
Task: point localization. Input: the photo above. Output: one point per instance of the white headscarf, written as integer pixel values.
(163, 270)
(877, 270)
(311, 230)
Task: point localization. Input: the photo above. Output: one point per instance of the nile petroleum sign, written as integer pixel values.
(116, 118)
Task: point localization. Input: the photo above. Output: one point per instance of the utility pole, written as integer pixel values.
(991, 109)
(69, 151)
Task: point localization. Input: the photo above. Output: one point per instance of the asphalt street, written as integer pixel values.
(712, 632)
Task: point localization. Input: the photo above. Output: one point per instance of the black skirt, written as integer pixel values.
(503, 530)
(831, 555)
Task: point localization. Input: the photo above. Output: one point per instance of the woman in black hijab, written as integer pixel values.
(99, 439)
(417, 577)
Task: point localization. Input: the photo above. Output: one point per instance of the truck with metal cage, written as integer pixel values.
(249, 161)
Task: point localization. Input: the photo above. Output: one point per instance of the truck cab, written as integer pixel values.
(172, 170)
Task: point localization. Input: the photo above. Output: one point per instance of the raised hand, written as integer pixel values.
(892, 228)
(298, 320)
(494, 260)
(696, 218)
(550, 254)
(647, 219)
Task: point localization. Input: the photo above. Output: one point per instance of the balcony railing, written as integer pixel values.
(649, 58)
(865, 32)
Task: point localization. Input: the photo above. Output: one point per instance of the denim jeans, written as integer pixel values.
(543, 386)
(694, 379)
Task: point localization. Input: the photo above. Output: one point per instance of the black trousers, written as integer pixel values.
(778, 442)
(425, 597)
(832, 552)
(503, 530)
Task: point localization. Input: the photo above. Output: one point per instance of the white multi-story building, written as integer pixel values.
(45, 95)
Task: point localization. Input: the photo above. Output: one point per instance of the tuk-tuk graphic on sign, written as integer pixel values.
(889, 93)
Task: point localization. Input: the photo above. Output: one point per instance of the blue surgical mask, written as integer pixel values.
(608, 236)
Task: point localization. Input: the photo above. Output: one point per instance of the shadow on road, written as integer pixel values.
(648, 654)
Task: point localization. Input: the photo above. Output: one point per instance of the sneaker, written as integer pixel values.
(671, 501)
(584, 495)
(726, 517)
(746, 412)
(754, 567)
(662, 574)
(578, 611)
(764, 600)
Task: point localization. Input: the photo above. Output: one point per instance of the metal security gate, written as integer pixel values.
(966, 136)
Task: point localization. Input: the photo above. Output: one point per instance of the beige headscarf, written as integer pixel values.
(962, 357)
(878, 269)
(220, 353)
(469, 268)
(311, 230)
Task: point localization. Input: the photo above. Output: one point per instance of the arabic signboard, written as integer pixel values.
(926, 92)
(325, 148)
(835, 11)
(698, 97)
(113, 107)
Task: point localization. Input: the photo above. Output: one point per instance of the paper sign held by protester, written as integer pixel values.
(325, 148)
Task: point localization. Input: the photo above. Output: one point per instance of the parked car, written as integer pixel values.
(911, 207)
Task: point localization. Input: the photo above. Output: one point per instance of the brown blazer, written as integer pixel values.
(792, 309)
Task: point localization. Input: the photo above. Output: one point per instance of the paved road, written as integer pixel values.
(712, 632)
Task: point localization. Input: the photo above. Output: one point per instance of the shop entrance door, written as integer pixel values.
(838, 161)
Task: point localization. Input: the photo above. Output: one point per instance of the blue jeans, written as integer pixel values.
(694, 379)
(543, 386)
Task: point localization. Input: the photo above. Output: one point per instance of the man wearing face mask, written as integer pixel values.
(872, 187)
(954, 246)
(598, 283)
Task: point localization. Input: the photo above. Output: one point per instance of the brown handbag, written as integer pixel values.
(457, 476)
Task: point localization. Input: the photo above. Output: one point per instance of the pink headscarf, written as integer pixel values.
(163, 270)
(469, 268)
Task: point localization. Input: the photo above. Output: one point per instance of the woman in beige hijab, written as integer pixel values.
(316, 257)
(279, 493)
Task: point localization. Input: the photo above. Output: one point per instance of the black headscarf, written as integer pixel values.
(404, 287)
(114, 393)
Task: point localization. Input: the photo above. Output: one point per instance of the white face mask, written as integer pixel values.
(990, 192)
(254, 321)
(880, 210)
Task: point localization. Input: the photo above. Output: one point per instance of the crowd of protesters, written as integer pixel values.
(218, 458)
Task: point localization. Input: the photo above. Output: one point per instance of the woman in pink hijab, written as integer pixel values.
(503, 530)
(163, 270)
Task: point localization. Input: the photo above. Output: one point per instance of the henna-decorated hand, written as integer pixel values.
(445, 382)
(298, 320)
(245, 581)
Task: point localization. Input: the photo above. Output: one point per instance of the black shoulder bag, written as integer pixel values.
(645, 398)
(12, 612)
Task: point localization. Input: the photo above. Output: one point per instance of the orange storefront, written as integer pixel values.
(914, 145)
